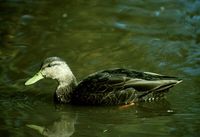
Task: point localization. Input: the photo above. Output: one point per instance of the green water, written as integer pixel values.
(159, 36)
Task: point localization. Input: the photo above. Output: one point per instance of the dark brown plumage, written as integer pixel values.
(107, 87)
(121, 86)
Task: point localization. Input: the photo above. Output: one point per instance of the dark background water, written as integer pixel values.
(161, 36)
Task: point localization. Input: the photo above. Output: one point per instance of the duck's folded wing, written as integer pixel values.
(150, 85)
(118, 88)
(104, 82)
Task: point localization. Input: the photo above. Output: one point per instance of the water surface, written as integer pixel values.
(146, 35)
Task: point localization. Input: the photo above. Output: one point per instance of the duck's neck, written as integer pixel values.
(64, 90)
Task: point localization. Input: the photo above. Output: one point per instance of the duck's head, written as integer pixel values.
(54, 68)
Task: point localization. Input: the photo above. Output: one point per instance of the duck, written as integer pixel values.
(115, 86)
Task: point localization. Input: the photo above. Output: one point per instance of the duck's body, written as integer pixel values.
(121, 86)
(107, 87)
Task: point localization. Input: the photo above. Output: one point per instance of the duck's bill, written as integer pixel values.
(34, 79)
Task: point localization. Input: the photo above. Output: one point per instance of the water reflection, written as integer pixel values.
(155, 108)
(64, 127)
(80, 121)
(157, 36)
(115, 121)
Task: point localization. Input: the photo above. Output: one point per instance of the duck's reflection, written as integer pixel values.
(100, 115)
(154, 109)
(64, 127)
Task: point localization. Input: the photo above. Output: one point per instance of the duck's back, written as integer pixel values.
(121, 86)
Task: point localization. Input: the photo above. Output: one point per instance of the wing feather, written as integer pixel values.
(120, 85)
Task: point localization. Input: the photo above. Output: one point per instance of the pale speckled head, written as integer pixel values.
(54, 68)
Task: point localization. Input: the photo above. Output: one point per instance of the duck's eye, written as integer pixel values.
(49, 65)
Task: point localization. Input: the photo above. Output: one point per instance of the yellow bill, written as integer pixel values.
(34, 79)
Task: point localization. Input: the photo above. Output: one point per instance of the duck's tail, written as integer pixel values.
(167, 84)
(159, 91)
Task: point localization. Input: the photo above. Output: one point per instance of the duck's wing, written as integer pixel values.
(118, 82)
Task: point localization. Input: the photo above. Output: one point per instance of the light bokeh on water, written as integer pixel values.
(91, 35)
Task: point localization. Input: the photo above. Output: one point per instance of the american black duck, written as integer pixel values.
(107, 87)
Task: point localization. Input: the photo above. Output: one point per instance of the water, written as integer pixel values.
(147, 35)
